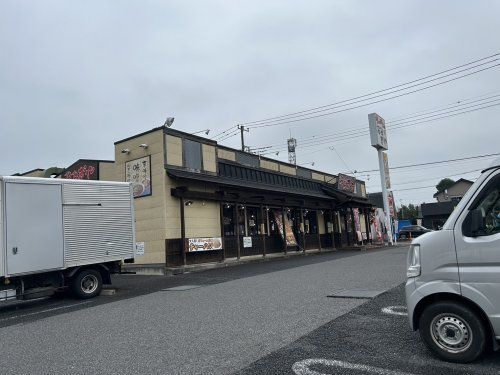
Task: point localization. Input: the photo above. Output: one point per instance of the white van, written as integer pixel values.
(453, 287)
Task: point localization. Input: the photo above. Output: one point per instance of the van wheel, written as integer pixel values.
(87, 283)
(453, 332)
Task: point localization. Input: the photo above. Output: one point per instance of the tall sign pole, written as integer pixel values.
(378, 137)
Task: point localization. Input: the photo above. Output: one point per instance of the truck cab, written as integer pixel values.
(453, 285)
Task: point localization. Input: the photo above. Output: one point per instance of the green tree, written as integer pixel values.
(445, 183)
(409, 212)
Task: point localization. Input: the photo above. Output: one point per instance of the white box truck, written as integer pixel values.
(58, 233)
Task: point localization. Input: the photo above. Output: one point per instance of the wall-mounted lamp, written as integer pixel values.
(125, 151)
(188, 203)
(267, 208)
(322, 212)
(143, 145)
(168, 122)
(228, 205)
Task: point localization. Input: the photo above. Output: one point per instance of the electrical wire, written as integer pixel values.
(362, 133)
(391, 90)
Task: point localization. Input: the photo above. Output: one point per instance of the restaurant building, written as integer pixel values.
(197, 201)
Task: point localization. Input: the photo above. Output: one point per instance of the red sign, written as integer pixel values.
(346, 183)
(84, 170)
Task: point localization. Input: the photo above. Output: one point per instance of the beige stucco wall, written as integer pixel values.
(318, 176)
(150, 213)
(287, 169)
(321, 223)
(174, 150)
(202, 219)
(363, 190)
(226, 154)
(209, 159)
(266, 164)
(107, 171)
(330, 179)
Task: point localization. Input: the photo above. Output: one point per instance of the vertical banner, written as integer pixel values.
(386, 171)
(357, 224)
(138, 172)
(290, 237)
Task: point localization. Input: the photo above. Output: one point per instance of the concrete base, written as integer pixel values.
(161, 270)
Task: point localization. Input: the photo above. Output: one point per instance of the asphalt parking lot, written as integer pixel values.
(127, 286)
(367, 340)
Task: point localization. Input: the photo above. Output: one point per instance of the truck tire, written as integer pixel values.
(87, 283)
(453, 332)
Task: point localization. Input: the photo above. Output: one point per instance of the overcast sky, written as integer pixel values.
(75, 76)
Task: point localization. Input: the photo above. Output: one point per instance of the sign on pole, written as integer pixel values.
(378, 137)
(378, 134)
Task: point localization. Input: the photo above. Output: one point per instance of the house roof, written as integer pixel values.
(456, 182)
(249, 178)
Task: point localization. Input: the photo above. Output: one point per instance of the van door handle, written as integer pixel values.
(14, 250)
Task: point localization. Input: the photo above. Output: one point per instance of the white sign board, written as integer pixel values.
(204, 244)
(247, 241)
(378, 134)
(139, 248)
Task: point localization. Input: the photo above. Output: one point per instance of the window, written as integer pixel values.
(488, 204)
(192, 155)
(228, 220)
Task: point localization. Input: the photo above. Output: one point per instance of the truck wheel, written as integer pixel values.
(453, 332)
(402, 236)
(87, 283)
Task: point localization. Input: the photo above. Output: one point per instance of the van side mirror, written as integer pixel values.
(477, 221)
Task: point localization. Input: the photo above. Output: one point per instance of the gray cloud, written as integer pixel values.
(77, 76)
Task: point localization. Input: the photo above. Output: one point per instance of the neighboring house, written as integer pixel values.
(434, 215)
(39, 172)
(455, 192)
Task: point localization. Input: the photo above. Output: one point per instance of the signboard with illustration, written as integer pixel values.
(138, 172)
(204, 244)
(346, 183)
(290, 237)
(82, 170)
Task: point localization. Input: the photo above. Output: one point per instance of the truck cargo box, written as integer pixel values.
(54, 224)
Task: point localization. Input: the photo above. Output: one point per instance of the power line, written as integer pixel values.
(361, 132)
(392, 89)
(433, 162)
(461, 104)
(370, 103)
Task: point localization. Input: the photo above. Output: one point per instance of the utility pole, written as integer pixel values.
(243, 130)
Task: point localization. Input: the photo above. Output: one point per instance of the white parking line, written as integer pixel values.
(395, 310)
(45, 311)
(302, 367)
